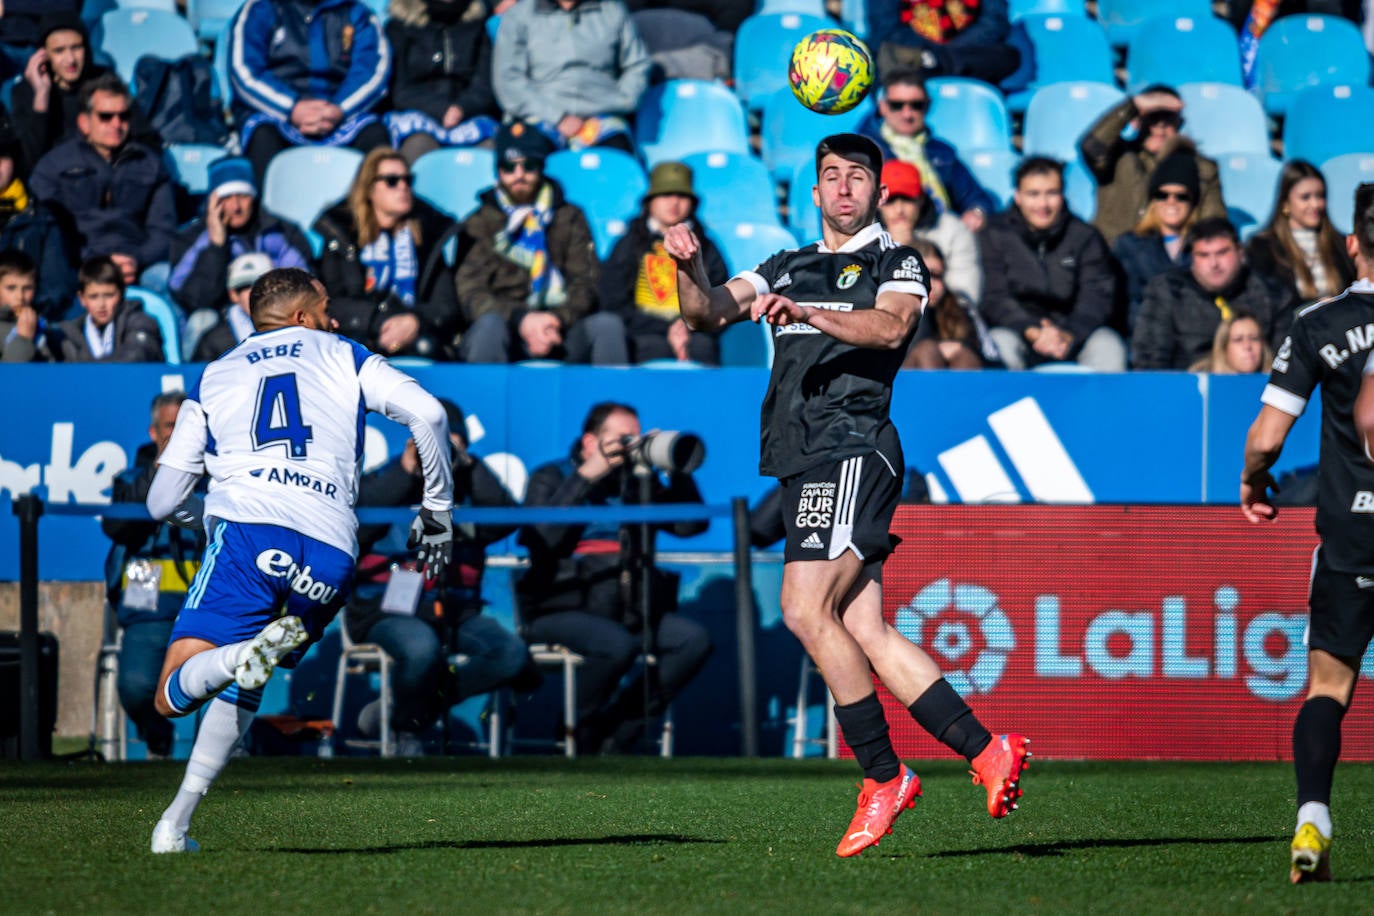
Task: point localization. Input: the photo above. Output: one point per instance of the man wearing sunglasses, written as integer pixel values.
(1123, 167)
(112, 196)
(899, 128)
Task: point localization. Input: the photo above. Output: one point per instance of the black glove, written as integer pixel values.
(432, 533)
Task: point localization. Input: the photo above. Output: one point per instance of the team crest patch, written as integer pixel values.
(848, 276)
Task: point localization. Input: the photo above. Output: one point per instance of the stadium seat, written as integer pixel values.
(746, 344)
(803, 216)
(189, 164)
(1059, 115)
(166, 6)
(1300, 51)
(806, 7)
(1020, 9)
(125, 35)
(747, 245)
(733, 188)
(209, 17)
(1122, 17)
(854, 17)
(219, 65)
(681, 117)
(450, 179)
(763, 48)
(1248, 184)
(382, 8)
(789, 132)
(165, 314)
(1325, 121)
(968, 114)
(302, 181)
(1182, 49)
(1343, 175)
(1068, 49)
(994, 170)
(1223, 119)
(1080, 190)
(606, 183)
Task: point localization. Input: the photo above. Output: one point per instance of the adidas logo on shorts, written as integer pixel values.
(813, 540)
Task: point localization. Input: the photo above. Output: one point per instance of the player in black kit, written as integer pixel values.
(843, 311)
(1329, 345)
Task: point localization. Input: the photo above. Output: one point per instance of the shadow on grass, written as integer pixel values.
(645, 839)
(1043, 850)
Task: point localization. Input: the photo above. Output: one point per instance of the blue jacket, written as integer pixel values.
(200, 269)
(965, 193)
(283, 51)
(34, 232)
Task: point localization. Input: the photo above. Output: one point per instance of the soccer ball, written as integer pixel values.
(831, 71)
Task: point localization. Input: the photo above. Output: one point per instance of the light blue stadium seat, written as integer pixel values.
(1068, 49)
(808, 7)
(681, 117)
(968, 114)
(381, 7)
(450, 179)
(1300, 51)
(746, 344)
(1248, 184)
(744, 246)
(1325, 121)
(1122, 17)
(1343, 175)
(168, 321)
(1183, 49)
(189, 164)
(1059, 115)
(166, 6)
(1020, 9)
(606, 183)
(209, 17)
(854, 17)
(994, 170)
(789, 132)
(219, 65)
(125, 35)
(302, 181)
(803, 216)
(733, 188)
(1080, 190)
(763, 48)
(1224, 119)
(493, 26)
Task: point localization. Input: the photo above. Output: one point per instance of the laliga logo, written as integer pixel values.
(952, 638)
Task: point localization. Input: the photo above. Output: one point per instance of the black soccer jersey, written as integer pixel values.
(826, 399)
(1329, 345)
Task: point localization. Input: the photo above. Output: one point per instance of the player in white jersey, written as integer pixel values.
(277, 423)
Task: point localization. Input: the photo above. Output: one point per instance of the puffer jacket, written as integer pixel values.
(438, 64)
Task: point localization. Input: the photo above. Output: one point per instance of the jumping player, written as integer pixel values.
(843, 312)
(277, 423)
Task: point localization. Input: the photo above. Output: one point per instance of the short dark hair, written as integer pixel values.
(13, 261)
(1214, 227)
(99, 269)
(166, 399)
(1037, 165)
(1364, 219)
(601, 412)
(105, 82)
(278, 285)
(851, 147)
(904, 76)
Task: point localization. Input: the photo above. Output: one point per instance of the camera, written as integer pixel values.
(666, 450)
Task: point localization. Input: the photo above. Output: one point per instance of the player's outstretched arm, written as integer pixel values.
(1263, 445)
(179, 468)
(704, 307)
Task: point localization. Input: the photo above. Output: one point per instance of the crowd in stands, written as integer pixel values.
(1030, 270)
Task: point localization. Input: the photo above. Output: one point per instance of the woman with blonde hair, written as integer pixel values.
(1300, 246)
(383, 263)
(1239, 348)
(1156, 245)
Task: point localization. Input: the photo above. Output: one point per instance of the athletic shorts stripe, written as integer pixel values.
(207, 568)
(843, 506)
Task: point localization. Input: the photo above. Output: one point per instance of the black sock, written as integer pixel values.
(943, 713)
(1316, 745)
(865, 730)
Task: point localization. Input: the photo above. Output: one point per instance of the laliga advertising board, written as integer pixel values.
(1196, 655)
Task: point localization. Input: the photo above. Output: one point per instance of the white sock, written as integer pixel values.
(203, 675)
(1318, 815)
(222, 726)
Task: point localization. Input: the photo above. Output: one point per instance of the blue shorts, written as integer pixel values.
(253, 574)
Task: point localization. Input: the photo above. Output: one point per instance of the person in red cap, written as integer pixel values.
(908, 213)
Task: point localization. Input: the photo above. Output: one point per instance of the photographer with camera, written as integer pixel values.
(582, 589)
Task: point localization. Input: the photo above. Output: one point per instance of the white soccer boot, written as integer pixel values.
(167, 838)
(270, 646)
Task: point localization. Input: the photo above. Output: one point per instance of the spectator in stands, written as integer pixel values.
(27, 226)
(307, 72)
(1300, 247)
(149, 568)
(725, 15)
(235, 323)
(951, 334)
(1123, 167)
(234, 223)
(944, 37)
(113, 329)
(529, 282)
(421, 623)
(639, 279)
(684, 45)
(1049, 281)
(1156, 245)
(112, 195)
(383, 263)
(909, 214)
(1182, 307)
(47, 101)
(574, 68)
(899, 128)
(19, 328)
(572, 594)
(21, 29)
(440, 76)
(1239, 348)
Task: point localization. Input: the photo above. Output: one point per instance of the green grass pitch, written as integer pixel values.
(643, 835)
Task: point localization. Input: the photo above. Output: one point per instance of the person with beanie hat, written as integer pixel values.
(908, 214)
(1156, 244)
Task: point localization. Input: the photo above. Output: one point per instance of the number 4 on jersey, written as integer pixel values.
(278, 416)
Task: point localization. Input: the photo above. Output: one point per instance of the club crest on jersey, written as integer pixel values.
(848, 276)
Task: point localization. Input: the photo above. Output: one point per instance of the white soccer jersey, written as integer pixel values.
(277, 423)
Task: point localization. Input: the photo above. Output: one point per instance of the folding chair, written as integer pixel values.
(365, 659)
(800, 738)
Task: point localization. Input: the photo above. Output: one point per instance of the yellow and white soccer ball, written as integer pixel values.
(831, 71)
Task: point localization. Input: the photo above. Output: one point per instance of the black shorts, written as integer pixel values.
(842, 505)
(1341, 606)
